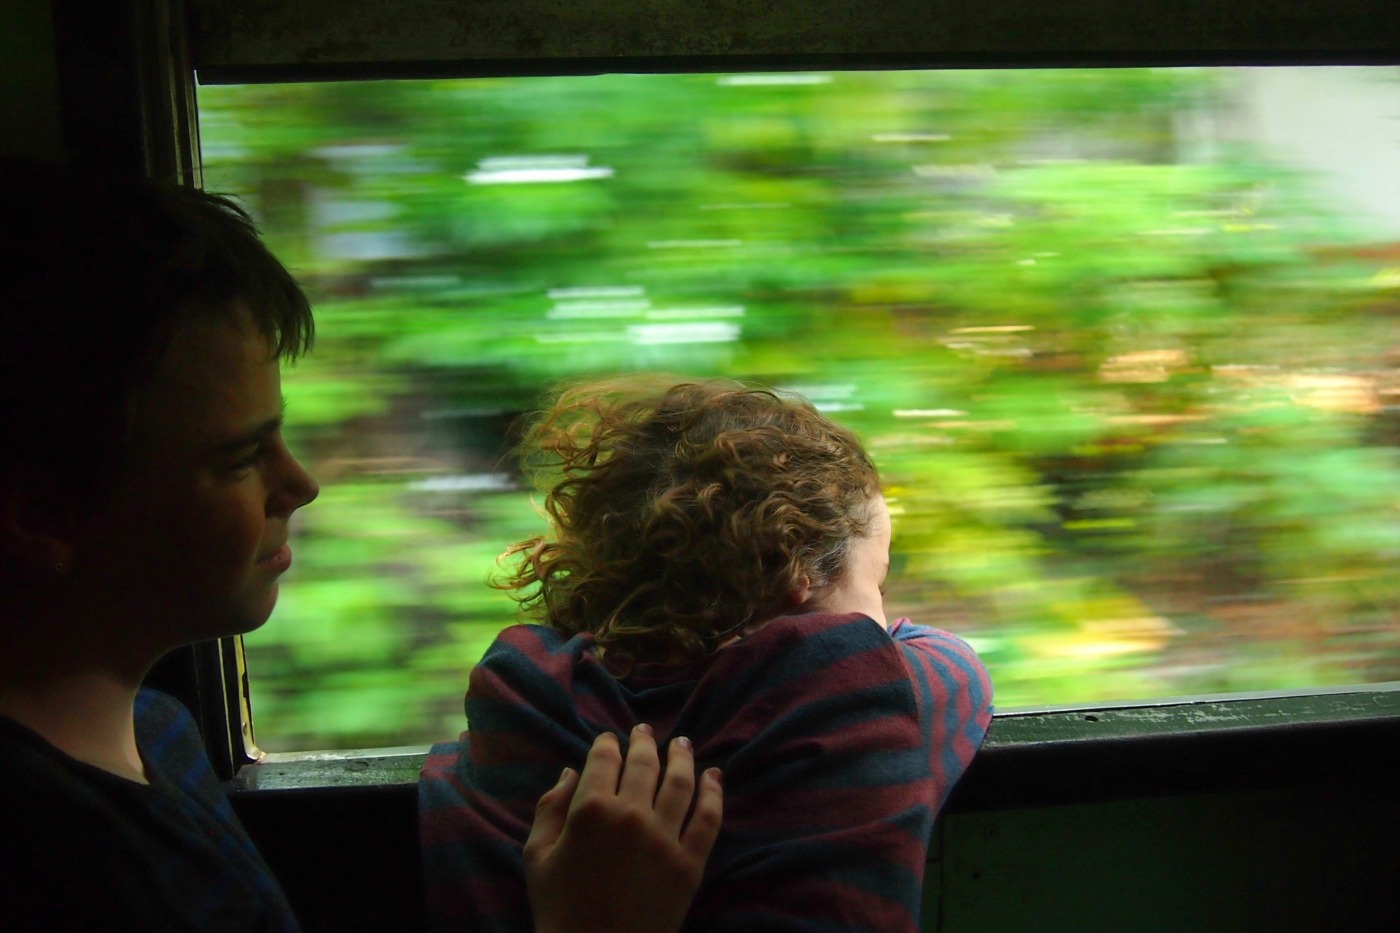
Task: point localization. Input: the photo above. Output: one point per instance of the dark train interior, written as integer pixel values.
(1267, 811)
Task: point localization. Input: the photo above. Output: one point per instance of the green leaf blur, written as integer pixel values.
(1128, 372)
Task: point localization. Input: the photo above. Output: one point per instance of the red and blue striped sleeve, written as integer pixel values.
(847, 742)
(954, 693)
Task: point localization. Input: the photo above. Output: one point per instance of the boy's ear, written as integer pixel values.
(801, 592)
(37, 521)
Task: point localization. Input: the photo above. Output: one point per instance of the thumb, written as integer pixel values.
(550, 813)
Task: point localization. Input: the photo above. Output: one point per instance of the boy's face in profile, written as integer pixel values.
(191, 541)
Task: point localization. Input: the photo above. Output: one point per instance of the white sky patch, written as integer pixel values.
(521, 170)
(471, 482)
(828, 396)
(771, 80)
(684, 332)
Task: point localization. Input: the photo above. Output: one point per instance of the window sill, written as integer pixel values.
(357, 767)
(1050, 757)
(1183, 746)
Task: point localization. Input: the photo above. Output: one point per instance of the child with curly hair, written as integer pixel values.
(714, 567)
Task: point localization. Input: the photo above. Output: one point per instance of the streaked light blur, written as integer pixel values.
(1122, 342)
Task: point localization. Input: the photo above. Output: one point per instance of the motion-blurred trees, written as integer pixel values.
(1130, 385)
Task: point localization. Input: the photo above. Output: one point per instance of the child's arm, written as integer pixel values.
(840, 748)
(617, 855)
(954, 693)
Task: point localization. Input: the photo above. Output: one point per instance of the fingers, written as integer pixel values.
(642, 768)
(634, 780)
(600, 769)
(677, 785)
(703, 829)
(550, 812)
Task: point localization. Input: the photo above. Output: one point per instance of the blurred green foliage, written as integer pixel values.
(1131, 387)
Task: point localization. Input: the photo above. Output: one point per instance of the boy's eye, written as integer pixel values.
(244, 463)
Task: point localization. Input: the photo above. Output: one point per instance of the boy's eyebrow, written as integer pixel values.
(255, 435)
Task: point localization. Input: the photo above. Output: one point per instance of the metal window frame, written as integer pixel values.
(247, 40)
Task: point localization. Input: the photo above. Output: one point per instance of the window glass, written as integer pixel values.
(1122, 341)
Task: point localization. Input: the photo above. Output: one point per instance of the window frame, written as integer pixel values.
(127, 94)
(1056, 757)
(268, 40)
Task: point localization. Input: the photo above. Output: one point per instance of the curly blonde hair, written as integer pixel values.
(682, 513)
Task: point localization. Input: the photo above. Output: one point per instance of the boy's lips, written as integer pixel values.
(279, 559)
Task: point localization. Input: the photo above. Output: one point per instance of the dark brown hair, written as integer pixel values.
(96, 274)
(682, 513)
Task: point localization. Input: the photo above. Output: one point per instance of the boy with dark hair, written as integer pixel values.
(146, 495)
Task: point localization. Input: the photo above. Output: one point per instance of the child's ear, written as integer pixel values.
(37, 522)
(801, 592)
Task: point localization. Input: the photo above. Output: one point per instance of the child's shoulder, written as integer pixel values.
(851, 626)
(810, 653)
(536, 641)
(936, 644)
(533, 654)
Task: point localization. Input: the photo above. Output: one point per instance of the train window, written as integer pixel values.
(1122, 342)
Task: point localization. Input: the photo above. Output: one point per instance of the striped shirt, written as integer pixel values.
(839, 743)
(84, 849)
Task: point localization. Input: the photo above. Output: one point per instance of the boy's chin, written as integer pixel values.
(245, 618)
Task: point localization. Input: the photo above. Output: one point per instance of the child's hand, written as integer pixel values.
(619, 855)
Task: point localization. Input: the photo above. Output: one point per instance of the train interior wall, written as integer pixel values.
(1314, 857)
